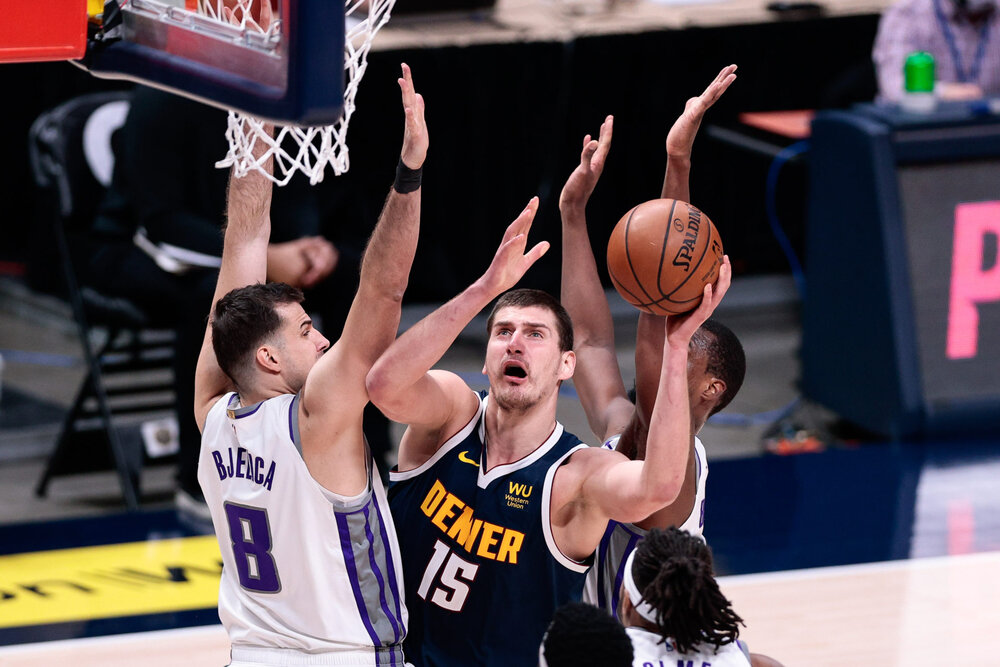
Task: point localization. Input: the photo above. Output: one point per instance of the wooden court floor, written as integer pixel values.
(930, 611)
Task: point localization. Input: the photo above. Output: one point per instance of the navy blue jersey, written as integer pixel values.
(482, 572)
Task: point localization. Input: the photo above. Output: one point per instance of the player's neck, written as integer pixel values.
(263, 391)
(512, 435)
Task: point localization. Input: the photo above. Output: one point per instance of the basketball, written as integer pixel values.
(661, 255)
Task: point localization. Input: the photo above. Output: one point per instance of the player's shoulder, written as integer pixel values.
(590, 458)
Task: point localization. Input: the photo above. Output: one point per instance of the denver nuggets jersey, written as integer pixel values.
(650, 651)
(604, 580)
(483, 574)
(304, 570)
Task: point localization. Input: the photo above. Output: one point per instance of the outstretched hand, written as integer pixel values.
(680, 328)
(415, 140)
(680, 140)
(511, 261)
(580, 184)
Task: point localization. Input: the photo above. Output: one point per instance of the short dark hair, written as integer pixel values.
(673, 572)
(242, 320)
(581, 634)
(726, 359)
(524, 298)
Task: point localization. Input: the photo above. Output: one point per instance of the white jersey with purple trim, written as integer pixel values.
(604, 579)
(308, 576)
(649, 650)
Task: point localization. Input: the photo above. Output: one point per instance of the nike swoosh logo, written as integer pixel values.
(465, 459)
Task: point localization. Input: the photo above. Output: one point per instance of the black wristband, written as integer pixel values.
(407, 180)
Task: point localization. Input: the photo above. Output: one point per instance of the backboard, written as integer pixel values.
(290, 73)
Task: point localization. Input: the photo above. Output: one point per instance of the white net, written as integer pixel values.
(309, 150)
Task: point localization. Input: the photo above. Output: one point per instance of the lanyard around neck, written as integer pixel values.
(977, 60)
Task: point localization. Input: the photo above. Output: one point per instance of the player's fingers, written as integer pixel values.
(406, 85)
(725, 278)
(604, 144)
(535, 253)
(522, 222)
(528, 215)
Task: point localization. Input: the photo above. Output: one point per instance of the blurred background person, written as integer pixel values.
(962, 35)
(157, 241)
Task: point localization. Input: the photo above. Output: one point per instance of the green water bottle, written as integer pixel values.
(918, 83)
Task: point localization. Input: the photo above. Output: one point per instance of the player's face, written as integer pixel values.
(301, 344)
(523, 361)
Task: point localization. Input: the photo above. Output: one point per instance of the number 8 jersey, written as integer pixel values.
(482, 571)
(305, 571)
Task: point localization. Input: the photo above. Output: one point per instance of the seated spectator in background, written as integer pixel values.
(581, 634)
(158, 242)
(672, 607)
(962, 35)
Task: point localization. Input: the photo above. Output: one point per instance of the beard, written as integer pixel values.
(514, 401)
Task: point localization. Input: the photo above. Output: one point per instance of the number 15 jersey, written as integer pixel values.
(304, 570)
(483, 574)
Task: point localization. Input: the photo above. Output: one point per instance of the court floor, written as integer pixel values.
(912, 612)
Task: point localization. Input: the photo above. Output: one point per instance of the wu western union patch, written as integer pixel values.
(112, 580)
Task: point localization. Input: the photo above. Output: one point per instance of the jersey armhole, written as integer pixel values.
(550, 541)
(446, 446)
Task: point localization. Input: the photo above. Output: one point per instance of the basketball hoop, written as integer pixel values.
(305, 149)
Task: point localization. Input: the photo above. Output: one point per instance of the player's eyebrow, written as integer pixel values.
(528, 325)
(305, 323)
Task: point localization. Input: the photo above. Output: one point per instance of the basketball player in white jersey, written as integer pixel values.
(672, 608)
(311, 569)
(716, 362)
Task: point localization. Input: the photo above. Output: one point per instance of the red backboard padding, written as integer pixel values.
(53, 30)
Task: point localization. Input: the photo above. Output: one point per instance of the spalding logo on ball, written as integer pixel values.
(661, 255)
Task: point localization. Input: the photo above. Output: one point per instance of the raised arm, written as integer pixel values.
(402, 384)
(676, 185)
(244, 262)
(598, 379)
(680, 139)
(600, 485)
(335, 389)
(334, 396)
(633, 490)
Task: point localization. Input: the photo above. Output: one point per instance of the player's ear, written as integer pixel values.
(715, 389)
(267, 358)
(567, 365)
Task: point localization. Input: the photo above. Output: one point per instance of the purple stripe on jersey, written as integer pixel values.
(388, 546)
(378, 577)
(352, 575)
(602, 558)
(291, 411)
(697, 459)
(621, 568)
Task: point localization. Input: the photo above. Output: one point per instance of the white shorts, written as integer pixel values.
(247, 656)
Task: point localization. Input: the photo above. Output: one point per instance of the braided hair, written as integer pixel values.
(673, 571)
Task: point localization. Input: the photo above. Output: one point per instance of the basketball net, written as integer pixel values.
(309, 150)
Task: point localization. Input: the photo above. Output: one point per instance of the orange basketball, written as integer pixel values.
(661, 255)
